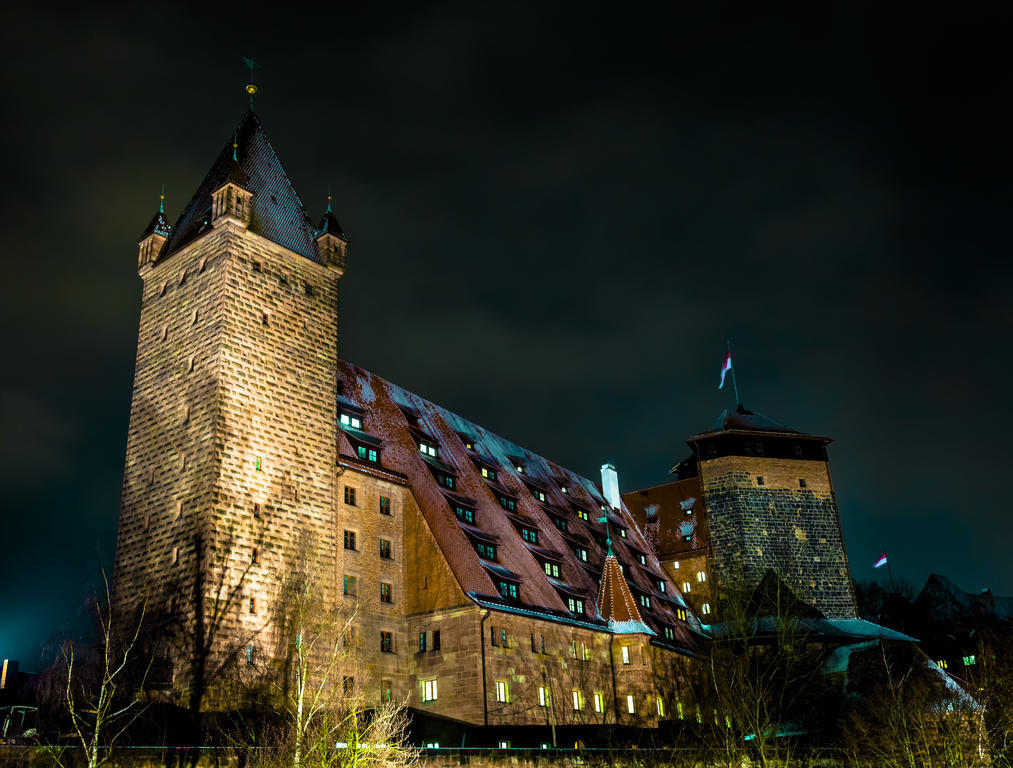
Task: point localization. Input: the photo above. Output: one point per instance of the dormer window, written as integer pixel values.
(428, 449)
(347, 420)
(540, 495)
(581, 553)
(582, 514)
(560, 523)
(681, 613)
(486, 551)
(562, 489)
(551, 569)
(622, 532)
(576, 605)
(643, 559)
(660, 583)
(645, 601)
(507, 503)
(508, 589)
(447, 481)
(465, 514)
(519, 468)
(529, 535)
(367, 454)
(488, 474)
(669, 633)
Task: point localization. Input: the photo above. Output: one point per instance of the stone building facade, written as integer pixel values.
(475, 569)
(754, 497)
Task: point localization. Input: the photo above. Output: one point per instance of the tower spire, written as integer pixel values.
(250, 87)
(161, 200)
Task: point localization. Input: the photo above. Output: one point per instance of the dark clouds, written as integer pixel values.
(558, 216)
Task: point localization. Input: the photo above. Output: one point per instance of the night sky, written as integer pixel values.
(557, 218)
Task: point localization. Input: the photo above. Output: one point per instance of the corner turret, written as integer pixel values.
(332, 242)
(231, 201)
(152, 241)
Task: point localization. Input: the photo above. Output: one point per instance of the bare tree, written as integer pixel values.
(104, 682)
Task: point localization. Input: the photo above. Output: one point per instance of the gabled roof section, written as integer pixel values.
(744, 420)
(276, 213)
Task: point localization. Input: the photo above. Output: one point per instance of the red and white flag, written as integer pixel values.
(727, 366)
(880, 562)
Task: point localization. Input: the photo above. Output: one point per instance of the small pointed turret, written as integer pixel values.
(231, 201)
(154, 237)
(615, 601)
(332, 242)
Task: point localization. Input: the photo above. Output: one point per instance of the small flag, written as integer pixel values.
(727, 366)
(880, 562)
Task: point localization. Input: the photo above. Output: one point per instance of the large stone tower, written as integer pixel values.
(770, 506)
(232, 441)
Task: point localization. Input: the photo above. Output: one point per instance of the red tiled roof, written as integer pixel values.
(384, 405)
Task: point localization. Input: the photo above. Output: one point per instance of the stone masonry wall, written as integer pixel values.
(779, 525)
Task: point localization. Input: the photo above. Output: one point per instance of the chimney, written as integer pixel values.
(610, 485)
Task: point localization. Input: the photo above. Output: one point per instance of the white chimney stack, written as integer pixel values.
(610, 485)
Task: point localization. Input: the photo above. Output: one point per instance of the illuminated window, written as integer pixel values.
(705, 608)
(519, 468)
(701, 576)
(422, 642)
(678, 709)
(969, 661)
(504, 744)
(447, 481)
(384, 505)
(428, 450)
(661, 707)
(661, 585)
(501, 691)
(486, 551)
(585, 652)
(489, 474)
(687, 587)
(386, 593)
(529, 535)
(507, 589)
(543, 696)
(643, 559)
(675, 565)
(631, 706)
(581, 553)
(350, 540)
(429, 694)
(258, 464)
(599, 701)
(573, 649)
(349, 495)
(347, 420)
(540, 495)
(578, 700)
(367, 454)
(253, 605)
(503, 638)
(386, 643)
(681, 613)
(507, 503)
(576, 605)
(645, 601)
(942, 664)
(582, 514)
(249, 655)
(467, 514)
(385, 549)
(552, 569)
(350, 586)
(560, 523)
(385, 690)
(622, 533)
(626, 654)
(669, 633)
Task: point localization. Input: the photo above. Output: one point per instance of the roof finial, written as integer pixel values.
(329, 199)
(235, 145)
(161, 200)
(250, 87)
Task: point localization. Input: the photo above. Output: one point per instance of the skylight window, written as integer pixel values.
(347, 420)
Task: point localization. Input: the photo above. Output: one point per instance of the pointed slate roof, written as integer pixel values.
(615, 601)
(159, 225)
(276, 213)
(330, 226)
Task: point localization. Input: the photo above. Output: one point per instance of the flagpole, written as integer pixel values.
(889, 572)
(735, 384)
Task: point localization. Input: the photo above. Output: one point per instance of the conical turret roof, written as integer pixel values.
(615, 601)
(159, 225)
(276, 211)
